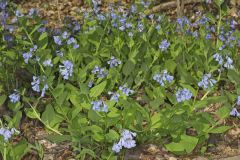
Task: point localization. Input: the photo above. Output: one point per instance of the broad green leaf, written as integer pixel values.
(2, 99)
(234, 76)
(210, 100)
(97, 90)
(220, 129)
(128, 67)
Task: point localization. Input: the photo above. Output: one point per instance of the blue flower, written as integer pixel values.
(228, 63)
(115, 96)
(101, 73)
(206, 81)
(238, 100)
(183, 95)
(163, 77)
(133, 8)
(18, 13)
(99, 106)
(75, 46)
(113, 62)
(14, 97)
(45, 87)
(90, 84)
(48, 63)
(32, 11)
(218, 58)
(59, 53)
(140, 27)
(3, 4)
(126, 140)
(71, 40)
(116, 147)
(7, 133)
(36, 84)
(164, 45)
(65, 35)
(182, 21)
(57, 40)
(27, 56)
(208, 36)
(42, 29)
(234, 113)
(125, 90)
(66, 69)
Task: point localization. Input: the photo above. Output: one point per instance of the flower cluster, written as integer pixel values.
(114, 96)
(99, 106)
(238, 100)
(66, 69)
(206, 81)
(163, 78)
(7, 133)
(36, 85)
(228, 62)
(101, 73)
(14, 97)
(113, 62)
(164, 45)
(28, 55)
(48, 63)
(183, 95)
(234, 113)
(126, 141)
(125, 90)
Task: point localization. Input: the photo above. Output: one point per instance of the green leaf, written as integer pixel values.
(50, 117)
(220, 129)
(58, 138)
(234, 76)
(31, 114)
(170, 65)
(2, 99)
(97, 90)
(186, 144)
(210, 100)
(218, 2)
(223, 112)
(128, 67)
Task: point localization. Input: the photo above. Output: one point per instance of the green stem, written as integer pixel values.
(219, 25)
(101, 38)
(205, 95)
(28, 35)
(39, 118)
(5, 152)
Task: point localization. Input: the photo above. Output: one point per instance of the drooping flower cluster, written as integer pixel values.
(99, 106)
(228, 62)
(234, 112)
(66, 69)
(113, 62)
(163, 78)
(125, 90)
(101, 72)
(206, 81)
(126, 141)
(238, 100)
(164, 45)
(183, 95)
(7, 133)
(28, 55)
(36, 85)
(48, 63)
(14, 97)
(114, 96)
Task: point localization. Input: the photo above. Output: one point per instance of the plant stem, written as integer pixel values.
(5, 152)
(219, 25)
